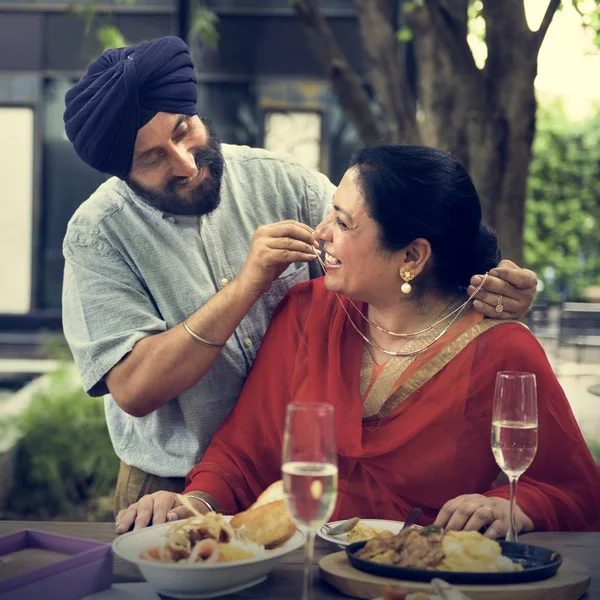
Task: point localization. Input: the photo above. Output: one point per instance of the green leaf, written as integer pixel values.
(404, 34)
(65, 460)
(110, 36)
(204, 27)
(562, 208)
(589, 10)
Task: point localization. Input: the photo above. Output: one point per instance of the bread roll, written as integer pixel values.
(267, 521)
(272, 494)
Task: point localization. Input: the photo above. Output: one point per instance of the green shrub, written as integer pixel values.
(561, 238)
(594, 446)
(65, 461)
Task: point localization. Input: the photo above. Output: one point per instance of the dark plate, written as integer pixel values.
(538, 563)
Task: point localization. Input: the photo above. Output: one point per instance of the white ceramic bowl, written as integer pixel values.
(196, 581)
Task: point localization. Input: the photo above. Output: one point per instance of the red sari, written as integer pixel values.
(430, 441)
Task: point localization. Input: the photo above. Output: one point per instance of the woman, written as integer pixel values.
(412, 412)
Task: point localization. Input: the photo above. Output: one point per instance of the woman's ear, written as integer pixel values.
(417, 255)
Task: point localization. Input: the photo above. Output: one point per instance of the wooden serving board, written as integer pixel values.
(570, 583)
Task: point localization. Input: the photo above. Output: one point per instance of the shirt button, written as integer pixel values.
(224, 281)
(248, 342)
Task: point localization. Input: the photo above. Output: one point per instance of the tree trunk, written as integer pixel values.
(502, 161)
(441, 97)
(387, 70)
(500, 156)
(486, 118)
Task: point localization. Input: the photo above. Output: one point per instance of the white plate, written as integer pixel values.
(197, 580)
(342, 539)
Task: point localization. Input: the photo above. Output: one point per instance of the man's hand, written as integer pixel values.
(154, 509)
(471, 512)
(273, 248)
(507, 286)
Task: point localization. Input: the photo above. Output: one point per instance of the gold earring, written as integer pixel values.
(407, 275)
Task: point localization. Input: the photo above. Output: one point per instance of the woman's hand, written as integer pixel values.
(507, 286)
(471, 512)
(154, 509)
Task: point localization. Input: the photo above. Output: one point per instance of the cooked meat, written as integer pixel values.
(179, 554)
(413, 548)
(382, 544)
(186, 534)
(421, 551)
(202, 533)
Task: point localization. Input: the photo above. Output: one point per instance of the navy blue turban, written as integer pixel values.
(120, 92)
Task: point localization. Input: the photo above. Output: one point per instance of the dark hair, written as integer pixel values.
(419, 192)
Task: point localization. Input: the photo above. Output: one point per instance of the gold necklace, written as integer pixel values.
(413, 352)
(414, 333)
(393, 352)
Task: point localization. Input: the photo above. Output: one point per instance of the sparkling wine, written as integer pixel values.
(310, 491)
(514, 445)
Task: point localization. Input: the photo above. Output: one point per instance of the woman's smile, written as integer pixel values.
(331, 261)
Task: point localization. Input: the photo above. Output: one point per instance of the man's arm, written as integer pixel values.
(235, 469)
(162, 366)
(111, 322)
(507, 286)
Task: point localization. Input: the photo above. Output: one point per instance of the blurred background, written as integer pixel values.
(512, 88)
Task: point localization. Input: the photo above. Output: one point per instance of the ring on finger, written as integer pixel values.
(499, 305)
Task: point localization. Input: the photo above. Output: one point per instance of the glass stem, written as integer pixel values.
(309, 550)
(511, 534)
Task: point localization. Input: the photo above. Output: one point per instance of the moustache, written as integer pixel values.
(206, 157)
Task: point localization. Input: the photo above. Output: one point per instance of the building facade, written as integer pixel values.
(260, 85)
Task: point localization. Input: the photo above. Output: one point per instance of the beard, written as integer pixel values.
(200, 200)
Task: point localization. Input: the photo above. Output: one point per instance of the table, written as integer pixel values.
(286, 580)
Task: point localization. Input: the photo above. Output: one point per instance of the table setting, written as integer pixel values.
(286, 546)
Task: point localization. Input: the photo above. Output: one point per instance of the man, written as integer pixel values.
(175, 265)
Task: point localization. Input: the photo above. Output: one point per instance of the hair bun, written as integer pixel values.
(484, 256)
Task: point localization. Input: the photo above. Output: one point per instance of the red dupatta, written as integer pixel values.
(431, 439)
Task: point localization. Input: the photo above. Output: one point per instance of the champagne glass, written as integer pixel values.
(514, 431)
(309, 469)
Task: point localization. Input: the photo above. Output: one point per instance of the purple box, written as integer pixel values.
(85, 567)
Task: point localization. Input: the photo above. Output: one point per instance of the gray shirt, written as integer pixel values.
(133, 271)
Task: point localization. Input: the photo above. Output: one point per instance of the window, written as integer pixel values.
(16, 208)
(297, 133)
(231, 107)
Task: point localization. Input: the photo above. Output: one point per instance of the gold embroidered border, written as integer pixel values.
(437, 363)
(366, 371)
(382, 388)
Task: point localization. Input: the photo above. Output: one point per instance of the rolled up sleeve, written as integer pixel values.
(106, 308)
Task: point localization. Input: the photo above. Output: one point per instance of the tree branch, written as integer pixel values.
(451, 31)
(347, 85)
(386, 71)
(540, 34)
